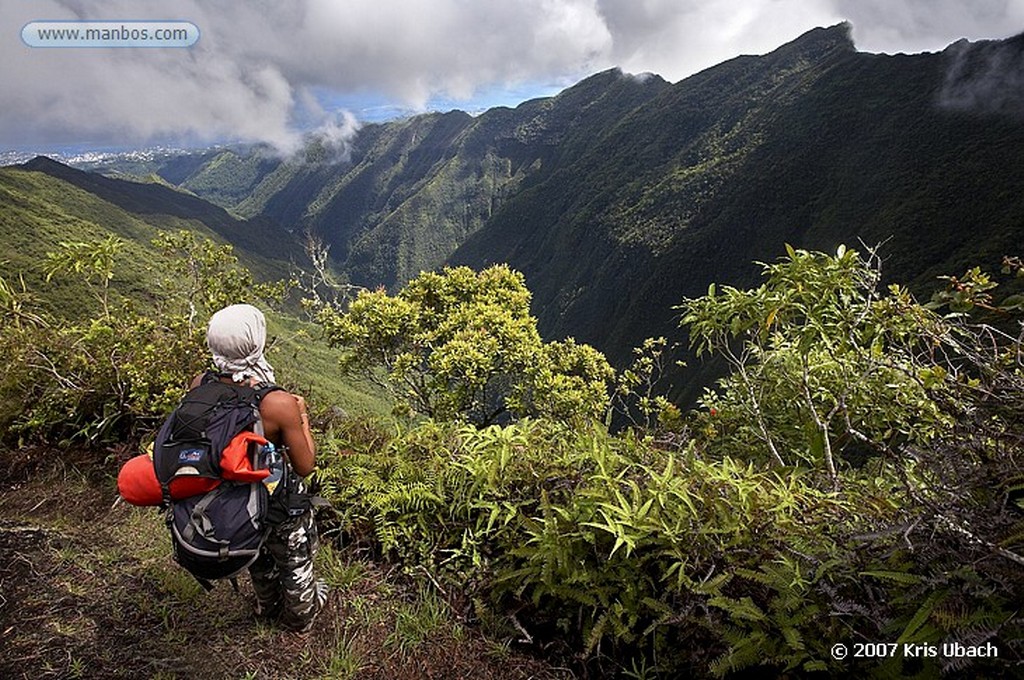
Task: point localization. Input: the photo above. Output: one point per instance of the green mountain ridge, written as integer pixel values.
(622, 195)
(44, 203)
(813, 145)
(414, 190)
(258, 236)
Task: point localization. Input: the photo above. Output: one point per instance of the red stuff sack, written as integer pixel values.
(137, 483)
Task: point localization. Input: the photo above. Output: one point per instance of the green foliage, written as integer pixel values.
(922, 408)
(822, 363)
(462, 345)
(115, 372)
(709, 556)
(610, 545)
(962, 294)
(204, 276)
(93, 263)
(971, 292)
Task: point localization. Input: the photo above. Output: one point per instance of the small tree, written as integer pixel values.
(203, 276)
(462, 345)
(821, 360)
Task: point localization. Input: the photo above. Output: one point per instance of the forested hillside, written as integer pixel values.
(623, 194)
(813, 145)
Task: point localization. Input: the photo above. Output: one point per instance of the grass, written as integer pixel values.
(304, 363)
(344, 661)
(419, 621)
(336, 571)
(90, 590)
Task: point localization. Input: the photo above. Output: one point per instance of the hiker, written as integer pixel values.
(282, 575)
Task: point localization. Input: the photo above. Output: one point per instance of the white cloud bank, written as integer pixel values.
(251, 74)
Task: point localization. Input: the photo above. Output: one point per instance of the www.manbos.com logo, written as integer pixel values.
(110, 34)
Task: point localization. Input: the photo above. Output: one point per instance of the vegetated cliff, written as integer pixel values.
(814, 144)
(623, 194)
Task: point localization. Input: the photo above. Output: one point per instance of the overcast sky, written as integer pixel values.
(264, 70)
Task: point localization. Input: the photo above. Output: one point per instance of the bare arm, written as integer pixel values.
(286, 422)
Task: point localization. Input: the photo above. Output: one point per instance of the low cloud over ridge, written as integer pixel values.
(252, 74)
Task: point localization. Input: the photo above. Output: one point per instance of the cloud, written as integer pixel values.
(985, 78)
(244, 77)
(415, 50)
(250, 76)
(928, 25)
(62, 96)
(676, 38)
(332, 131)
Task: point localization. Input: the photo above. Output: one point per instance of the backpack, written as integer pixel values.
(213, 466)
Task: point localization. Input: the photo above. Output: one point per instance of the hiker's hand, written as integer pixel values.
(303, 413)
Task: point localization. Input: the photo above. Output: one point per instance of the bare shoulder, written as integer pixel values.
(279, 403)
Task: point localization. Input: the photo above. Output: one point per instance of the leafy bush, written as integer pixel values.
(612, 546)
(461, 344)
(117, 369)
(821, 362)
(857, 477)
(890, 509)
(830, 373)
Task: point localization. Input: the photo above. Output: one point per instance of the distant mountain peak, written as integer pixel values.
(593, 88)
(819, 42)
(612, 76)
(41, 163)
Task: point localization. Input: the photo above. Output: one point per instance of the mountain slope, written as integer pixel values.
(259, 236)
(413, 190)
(43, 203)
(403, 195)
(813, 144)
(38, 211)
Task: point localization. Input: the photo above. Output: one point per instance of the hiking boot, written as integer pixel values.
(266, 612)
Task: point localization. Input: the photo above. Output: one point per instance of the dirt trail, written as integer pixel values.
(88, 589)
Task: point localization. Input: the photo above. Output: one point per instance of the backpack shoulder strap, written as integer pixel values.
(263, 389)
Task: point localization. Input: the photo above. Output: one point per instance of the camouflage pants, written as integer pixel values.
(282, 575)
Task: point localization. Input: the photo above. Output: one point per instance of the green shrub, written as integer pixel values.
(856, 478)
(116, 369)
(607, 543)
(462, 345)
(823, 364)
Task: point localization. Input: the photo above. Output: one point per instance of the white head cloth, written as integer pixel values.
(237, 336)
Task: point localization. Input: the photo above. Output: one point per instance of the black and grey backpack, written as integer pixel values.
(217, 522)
